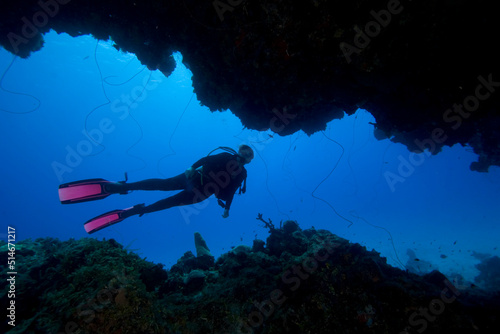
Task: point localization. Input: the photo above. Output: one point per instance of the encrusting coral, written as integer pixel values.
(298, 281)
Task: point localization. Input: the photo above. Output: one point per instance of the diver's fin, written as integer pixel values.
(83, 191)
(110, 218)
(104, 220)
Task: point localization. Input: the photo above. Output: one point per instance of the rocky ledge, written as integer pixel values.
(427, 70)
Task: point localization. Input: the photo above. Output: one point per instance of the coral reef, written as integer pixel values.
(297, 281)
(424, 69)
(91, 285)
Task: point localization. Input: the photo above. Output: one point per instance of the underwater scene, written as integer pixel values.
(118, 214)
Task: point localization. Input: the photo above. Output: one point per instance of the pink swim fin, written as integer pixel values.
(112, 217)
(83, 191)
(105, 220)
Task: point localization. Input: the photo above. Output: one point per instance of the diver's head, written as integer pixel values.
(246, 154)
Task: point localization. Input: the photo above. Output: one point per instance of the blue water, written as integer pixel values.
(152, 126)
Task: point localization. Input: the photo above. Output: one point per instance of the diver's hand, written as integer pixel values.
(189, 172)
(225, 214)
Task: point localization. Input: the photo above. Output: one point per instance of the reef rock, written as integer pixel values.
(298, 281)
(426, 70)
(205, 258)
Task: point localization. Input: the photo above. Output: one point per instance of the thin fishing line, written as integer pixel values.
(386, 230)
(99, 106)
(239, 133)
(141, 136)
(123, 83)
(129, 62)
(267, 171)
(109, 102)
(16, 93)
(350, 155)
(172, 135)
(382, 163)
(267, 182)
(326, 178)
(287, 154)
(371, 202)
(261, 141)
(270, 137)
(353, 152)
(289, 171)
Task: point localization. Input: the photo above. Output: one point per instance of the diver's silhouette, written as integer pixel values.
(220, 175)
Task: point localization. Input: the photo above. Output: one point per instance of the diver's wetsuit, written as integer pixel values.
(219, 174)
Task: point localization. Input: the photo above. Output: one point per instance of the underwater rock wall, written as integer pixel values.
(299, 281)
(427, 71)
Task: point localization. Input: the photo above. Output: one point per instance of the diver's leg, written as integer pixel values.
(183, 198)
(178, 182)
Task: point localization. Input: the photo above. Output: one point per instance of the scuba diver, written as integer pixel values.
(220, 175)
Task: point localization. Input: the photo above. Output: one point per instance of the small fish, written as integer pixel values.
(455, 242)
(443, 256)
(86, 57)
(416, 260)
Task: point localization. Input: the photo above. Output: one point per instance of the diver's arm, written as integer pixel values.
(192, 170)
(189, 172)
(199, 163)
(228, 200)
(217, 159)
(235, 185)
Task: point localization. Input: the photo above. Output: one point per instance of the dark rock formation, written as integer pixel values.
(489, 274)
(301, 281)
(427, 71)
